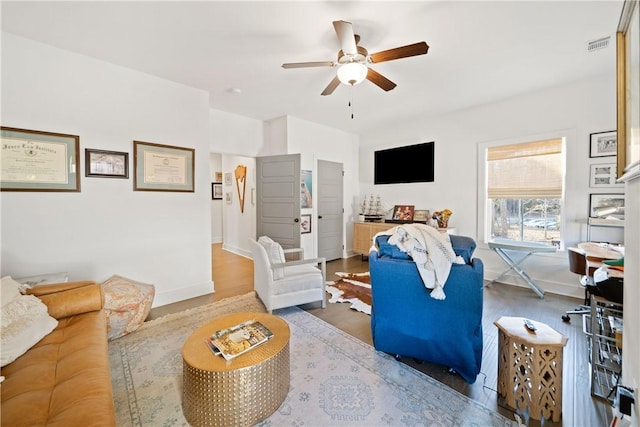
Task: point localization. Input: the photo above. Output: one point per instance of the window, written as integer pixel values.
(525, 189)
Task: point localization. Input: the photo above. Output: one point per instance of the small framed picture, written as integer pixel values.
(601, 205)
(228, 178)
(106, 164)
(227, 197)
(403, 213)
(603, 175)
(603, 144)
(218, 176)
(305, 224)
(216, 191)
(420, 215)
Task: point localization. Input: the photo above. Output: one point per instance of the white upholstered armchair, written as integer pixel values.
(283, 284)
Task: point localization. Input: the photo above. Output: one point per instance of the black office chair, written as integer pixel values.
(578, 265)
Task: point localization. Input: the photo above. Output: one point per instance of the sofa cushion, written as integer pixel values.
(463, 246)
(275, 253)
(388, 249)
(25, 321)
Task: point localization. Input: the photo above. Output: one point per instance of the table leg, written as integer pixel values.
(513, 265)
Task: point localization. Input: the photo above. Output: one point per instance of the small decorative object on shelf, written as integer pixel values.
(442, 217)
(371, 208)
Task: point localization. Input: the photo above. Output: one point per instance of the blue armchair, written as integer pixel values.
(406, 321)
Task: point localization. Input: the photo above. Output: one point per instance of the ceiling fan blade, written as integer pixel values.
(331, 87)
(379, 80)
(415, 49)
(309, 64)
(344, 30)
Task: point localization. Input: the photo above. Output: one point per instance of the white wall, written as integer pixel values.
(239, 226)
(317, 142)
(575, 110)
(107, 228)
(215, 165)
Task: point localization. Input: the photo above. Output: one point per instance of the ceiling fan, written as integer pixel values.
(354, 60)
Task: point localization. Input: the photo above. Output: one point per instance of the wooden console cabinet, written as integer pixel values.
(363, 233)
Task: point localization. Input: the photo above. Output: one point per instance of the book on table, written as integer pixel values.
(238, 339)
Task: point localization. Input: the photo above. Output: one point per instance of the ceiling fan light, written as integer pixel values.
(352, 73)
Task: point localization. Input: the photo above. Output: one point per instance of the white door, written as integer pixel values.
(278, 199)
(330, 210)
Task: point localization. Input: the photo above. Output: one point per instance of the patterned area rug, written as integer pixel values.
(354, 288)
(335, 378)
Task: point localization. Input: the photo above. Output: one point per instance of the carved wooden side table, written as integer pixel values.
(241, 391)
(530, 367)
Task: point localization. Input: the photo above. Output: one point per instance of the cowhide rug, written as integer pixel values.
(354, 288)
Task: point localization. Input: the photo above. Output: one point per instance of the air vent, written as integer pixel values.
(598, 44)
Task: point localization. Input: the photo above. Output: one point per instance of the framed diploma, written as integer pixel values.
(160, 167)
(39, 161)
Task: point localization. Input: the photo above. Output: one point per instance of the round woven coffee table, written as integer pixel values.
(241, 391)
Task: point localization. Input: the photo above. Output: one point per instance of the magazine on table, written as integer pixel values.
(238, 339)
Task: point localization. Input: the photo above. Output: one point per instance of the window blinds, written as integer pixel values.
(526, 170)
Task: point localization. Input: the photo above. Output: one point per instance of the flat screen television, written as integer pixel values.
(411, 163)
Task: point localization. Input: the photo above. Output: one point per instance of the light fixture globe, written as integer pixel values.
(352, 73)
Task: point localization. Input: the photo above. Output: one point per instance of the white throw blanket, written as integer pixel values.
(431, 251)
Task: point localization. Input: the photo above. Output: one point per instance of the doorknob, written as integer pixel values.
(319, 216)
(296, 220)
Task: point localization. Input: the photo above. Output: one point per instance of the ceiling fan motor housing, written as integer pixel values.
(360, 57)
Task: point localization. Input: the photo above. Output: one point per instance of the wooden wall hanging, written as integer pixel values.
(241, 176)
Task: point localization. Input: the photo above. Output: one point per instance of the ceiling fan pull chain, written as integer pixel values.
(351, 101)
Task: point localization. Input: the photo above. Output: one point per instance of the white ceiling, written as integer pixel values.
(480, 51)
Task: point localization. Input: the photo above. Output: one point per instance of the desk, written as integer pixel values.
(528, 248)
(598, 252)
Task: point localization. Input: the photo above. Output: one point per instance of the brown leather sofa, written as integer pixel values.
(64, 380)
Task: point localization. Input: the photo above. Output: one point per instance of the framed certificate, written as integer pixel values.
(39, 161)
(162, 167)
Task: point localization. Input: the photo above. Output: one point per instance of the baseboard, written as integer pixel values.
(181, 294)
(237, 251)
(556, 288)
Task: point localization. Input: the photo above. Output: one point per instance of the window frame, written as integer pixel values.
(483, 231)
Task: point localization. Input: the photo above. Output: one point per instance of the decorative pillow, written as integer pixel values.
(127, 304)
(25, 321)
(463, 246)
(390, 250)
(11, 289)
(275, 253)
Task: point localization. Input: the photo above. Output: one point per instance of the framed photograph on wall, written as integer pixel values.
(605, 204)
(106, 164)
(159, 167)
(34, 160)
(228, 178)
(306, 185)
(603, 144)
(603, 175)
(216, 191)
(305, 224)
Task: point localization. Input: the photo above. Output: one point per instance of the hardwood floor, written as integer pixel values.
(233, 275)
